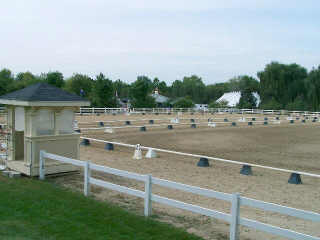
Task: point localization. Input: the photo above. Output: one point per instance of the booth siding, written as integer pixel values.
(41, 116)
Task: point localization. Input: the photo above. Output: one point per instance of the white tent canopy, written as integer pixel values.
(233, 98)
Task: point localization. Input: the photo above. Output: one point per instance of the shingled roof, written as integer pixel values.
(44, 93)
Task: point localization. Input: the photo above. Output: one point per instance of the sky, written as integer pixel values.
(168, 39)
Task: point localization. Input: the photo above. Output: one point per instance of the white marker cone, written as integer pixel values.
(137, 152)
(151, 153)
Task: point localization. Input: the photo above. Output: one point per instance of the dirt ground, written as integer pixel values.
(290, 146)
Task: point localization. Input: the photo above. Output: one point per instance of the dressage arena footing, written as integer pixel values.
(295, 178)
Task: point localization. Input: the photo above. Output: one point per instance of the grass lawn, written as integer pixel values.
(31, 209)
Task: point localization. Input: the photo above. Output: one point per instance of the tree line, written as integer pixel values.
(280, 86)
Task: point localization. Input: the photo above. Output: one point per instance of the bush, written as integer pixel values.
(222, 104)
(184, 103)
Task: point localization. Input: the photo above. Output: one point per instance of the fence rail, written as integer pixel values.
(236, 200)
(93, 110)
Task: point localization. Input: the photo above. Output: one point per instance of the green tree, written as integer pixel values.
(140, 91)
(121, 88)
(24, 79)
(281, 82)
(194, 88)
(103, 94)
(184, 103)
(247, 100)
(313, 89)
(77, 82)
(55, 78)
(271, 104)
(6, 81)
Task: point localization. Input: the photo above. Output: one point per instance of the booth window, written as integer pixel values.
(65, 122)
(45, 123)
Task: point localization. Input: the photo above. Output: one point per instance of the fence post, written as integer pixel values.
(147, 197)
(41, 166)
(235, 210)
(87, 175)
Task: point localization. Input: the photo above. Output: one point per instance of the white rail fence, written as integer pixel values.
(106, 110)
(236, 200)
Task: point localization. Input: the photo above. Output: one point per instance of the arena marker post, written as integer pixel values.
(85, 142)
(109, 147)
(295, 178)
(143, 129)
(203, 162)
(246, 170)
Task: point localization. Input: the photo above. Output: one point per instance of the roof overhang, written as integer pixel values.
(45, 104)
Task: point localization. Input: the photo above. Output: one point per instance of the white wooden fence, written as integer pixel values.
(236, 200)
(106, 110)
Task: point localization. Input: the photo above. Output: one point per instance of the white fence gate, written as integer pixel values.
(235, 199)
